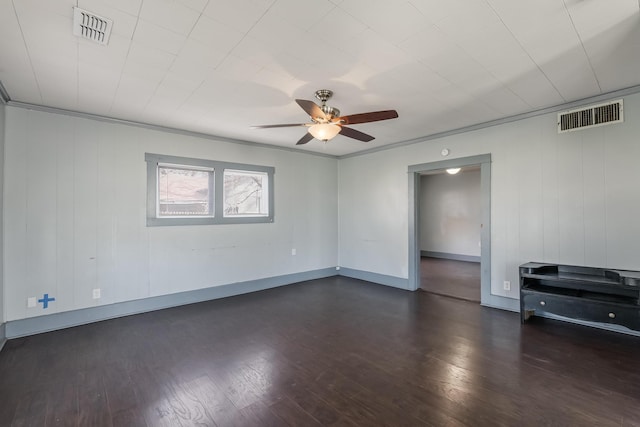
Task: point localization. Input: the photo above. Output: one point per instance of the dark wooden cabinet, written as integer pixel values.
(590, 294)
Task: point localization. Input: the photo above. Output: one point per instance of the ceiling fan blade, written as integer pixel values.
(373, 116)
(355, 134)
(280, 126)
(312, 109)
(306, 138)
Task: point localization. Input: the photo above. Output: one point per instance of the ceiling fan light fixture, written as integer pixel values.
(324, 131)
(327, 121)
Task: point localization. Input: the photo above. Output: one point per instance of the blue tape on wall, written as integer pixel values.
(45, 300)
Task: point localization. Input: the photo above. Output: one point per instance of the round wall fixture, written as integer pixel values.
(445, 152)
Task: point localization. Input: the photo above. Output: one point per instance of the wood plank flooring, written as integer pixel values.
(458, 279)
(330, 352)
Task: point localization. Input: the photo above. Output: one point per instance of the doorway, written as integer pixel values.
(415, 172)
(449, 220)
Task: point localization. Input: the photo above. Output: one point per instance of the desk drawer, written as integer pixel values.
(581, 309)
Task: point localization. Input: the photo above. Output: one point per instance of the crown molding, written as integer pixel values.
(6, 99)
(177, 131)
(554, 109)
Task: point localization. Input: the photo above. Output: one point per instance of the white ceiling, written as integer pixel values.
(220, 66)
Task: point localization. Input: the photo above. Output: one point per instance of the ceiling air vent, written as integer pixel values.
(91, 26)
(596, 115)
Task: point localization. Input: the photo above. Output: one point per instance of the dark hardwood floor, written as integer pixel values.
(458, 279)
(332, 352)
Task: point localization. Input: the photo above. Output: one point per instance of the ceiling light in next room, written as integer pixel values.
(453, 171)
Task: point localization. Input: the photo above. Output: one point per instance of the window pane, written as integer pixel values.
(183, 192)
(245, 193)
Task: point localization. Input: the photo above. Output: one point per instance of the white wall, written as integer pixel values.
(75, 191)
(570, 198)
(2, 127)
(75, 195)
(450, 213)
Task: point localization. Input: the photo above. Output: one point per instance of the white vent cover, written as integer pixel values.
(91, 26)
(595, 115)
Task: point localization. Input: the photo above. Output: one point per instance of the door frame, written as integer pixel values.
(414, 172)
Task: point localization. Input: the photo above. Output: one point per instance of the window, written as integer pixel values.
(184, 191)
(245, 193)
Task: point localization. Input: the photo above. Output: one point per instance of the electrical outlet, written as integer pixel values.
(293, 251)
(96, 293)
(31, 302)
(507, 285)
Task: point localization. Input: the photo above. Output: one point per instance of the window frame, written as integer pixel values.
(216, 195)
(248, 173)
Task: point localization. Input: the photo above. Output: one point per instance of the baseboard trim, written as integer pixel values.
(68, 319)
(381, 279)
(503, 303)
(455, 257)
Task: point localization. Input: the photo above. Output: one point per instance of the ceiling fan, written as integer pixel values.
(326, 121)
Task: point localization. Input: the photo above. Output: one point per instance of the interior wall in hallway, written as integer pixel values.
(450, 213)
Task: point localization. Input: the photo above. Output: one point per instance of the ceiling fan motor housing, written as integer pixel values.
(330, 112)
(324, 95)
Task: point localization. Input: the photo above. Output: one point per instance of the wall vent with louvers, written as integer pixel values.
(596, 115)
(91, 26)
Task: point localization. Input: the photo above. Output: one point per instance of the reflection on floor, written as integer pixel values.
(458, 279)
(327, 352)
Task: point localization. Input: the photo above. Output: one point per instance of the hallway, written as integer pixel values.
(457, 279)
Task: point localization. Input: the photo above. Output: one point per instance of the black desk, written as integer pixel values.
(599, 295)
